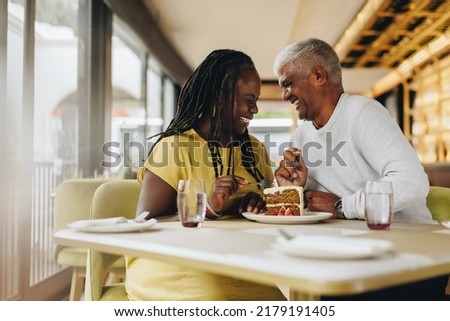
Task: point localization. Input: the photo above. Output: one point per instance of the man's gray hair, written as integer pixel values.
(305, 55)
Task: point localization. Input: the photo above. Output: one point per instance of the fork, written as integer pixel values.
(285, 234)
(264, 183)
(141, 218)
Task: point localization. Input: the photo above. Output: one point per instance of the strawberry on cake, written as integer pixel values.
(284, 200)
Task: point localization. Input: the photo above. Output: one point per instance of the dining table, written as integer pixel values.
(253, 250)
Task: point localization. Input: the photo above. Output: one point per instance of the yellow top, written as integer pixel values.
(187, 156)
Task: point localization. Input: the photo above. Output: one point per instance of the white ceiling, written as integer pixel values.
(260, 28)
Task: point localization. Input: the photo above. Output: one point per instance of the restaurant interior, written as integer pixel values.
(83, 83)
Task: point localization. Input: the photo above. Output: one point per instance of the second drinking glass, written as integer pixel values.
(378, 199)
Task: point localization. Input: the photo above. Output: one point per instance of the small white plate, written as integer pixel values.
(113, 227)
(332, 247)
(446, 224)
(306, 218)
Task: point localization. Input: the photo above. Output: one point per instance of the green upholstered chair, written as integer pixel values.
(73, 202)
(112, 199)
(438, 201)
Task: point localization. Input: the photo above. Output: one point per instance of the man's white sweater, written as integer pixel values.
(360, 143)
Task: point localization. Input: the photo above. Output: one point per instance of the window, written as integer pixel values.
(10, 171)
(128, 104)
(273, 125)
(54, 126)
(137, 100)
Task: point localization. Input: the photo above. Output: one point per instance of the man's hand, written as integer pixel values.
(292, 170)
(320, 201)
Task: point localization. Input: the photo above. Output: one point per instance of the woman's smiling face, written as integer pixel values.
(248, 90)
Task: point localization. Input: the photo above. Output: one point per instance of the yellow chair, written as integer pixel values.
(115, 198)
(72, 202)
(438, 202)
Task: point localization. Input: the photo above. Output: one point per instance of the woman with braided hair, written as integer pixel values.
(208, 138)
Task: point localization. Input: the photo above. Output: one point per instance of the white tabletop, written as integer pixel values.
(242, 249)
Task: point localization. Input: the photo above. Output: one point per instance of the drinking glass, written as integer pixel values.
(378, 198)
(191, 202)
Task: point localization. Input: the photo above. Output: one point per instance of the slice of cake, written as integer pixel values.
(284, 200)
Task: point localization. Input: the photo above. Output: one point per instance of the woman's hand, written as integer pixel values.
(292, 169)
(223, 187)
(252, 202)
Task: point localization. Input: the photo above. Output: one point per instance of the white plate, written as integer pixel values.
(446, 224)
(307, 217)
(332, 247)
(112, 227)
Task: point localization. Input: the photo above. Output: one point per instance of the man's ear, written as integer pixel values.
(319, 74)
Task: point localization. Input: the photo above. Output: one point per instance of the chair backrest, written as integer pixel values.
(73, 200)
(72, 203)
(115, 198)
(438, 202)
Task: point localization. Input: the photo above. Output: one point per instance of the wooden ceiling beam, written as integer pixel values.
(393, 32)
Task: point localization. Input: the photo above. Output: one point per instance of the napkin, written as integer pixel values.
(98, 222)
(332, 246)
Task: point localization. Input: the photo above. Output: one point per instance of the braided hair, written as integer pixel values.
(208, 90)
